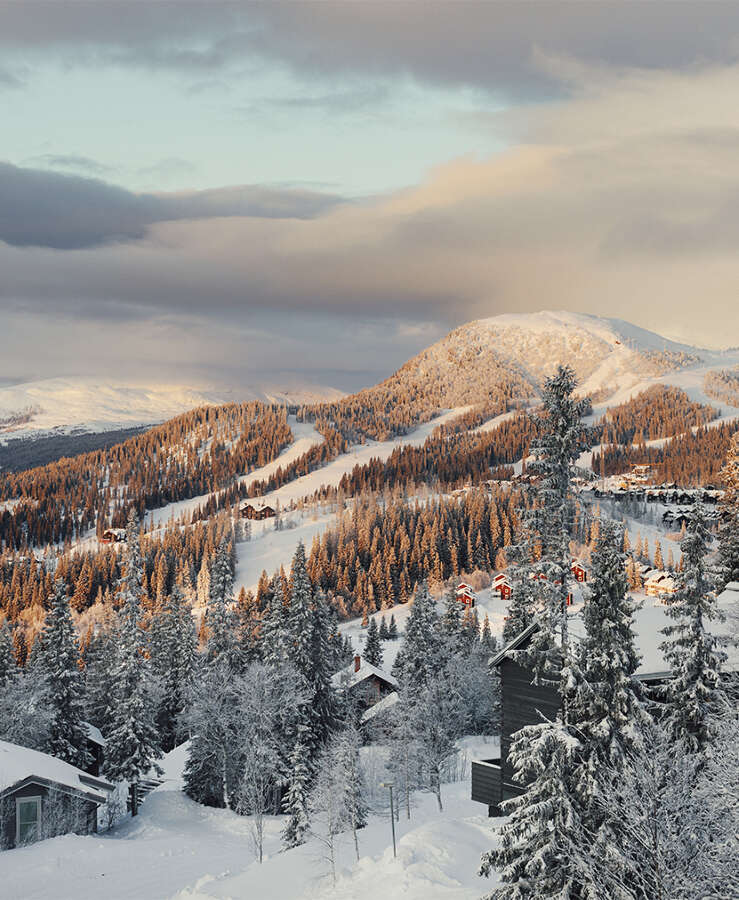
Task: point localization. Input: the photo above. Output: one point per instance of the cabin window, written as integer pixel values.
(27, 819)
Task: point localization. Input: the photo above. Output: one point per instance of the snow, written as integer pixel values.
(101, 404)
(177, 850)
(18, 763)
(348, 676)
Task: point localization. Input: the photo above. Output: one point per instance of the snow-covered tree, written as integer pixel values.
(219, 618)
(100, 676)
(418, 658)
(298, 782)
(336, 803)
(549, 522)
(437, 716)
(172, 642)
(541, 852)
(212, 719)
(132, 746)
(58, 657)
(8, 664)
(275, 638)
(728, 546)
(372, 646)
(264, 694)
(694, 694)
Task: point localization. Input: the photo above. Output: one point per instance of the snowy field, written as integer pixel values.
(178, 850)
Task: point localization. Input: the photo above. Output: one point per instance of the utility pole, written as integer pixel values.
(389, 785)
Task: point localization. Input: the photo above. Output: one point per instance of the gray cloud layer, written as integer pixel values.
(501, 46)
(49, 209)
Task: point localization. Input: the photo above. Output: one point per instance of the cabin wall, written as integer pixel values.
(61, 813)
(522, 703)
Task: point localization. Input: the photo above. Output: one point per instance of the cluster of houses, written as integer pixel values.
(676, 518)
(42, 796)
(503, 586)
(525, 703)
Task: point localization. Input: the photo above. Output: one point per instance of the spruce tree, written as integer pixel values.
(728, 545)
(299, 781)
(384, 632)
(392, 628)
(132, 746)
(540, 854)
(8, 664)
(694, 693)
(275, 638)
(173, 659)
(418, 661)
(219, 618)
(59, 655)
(372, 647)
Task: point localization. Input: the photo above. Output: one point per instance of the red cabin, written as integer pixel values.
(579, 572)
(466, 595)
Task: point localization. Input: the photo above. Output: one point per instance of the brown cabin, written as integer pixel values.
(257, 511)
(113, 536)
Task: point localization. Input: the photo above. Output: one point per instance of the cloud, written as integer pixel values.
(67, 212)
(502, 46)
(638, 220)
(72, 161)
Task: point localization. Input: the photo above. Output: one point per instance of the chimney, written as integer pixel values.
(357, 662)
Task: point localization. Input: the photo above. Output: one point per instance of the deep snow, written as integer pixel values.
(177, 849)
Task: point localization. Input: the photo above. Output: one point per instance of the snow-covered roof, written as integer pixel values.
(380, 707)
(649, 621)
(94, 734)
(348, 677)
(19, 764)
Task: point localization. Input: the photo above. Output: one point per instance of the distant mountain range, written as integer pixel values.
(611, 358)
(89, 404)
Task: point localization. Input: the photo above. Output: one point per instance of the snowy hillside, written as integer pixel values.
(607, 354)
(98, 404)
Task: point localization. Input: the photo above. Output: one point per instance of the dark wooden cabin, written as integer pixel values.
(257, 511)
(43, 797)
(521, 704)
(365, 683)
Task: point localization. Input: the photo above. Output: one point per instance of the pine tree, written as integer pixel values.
(451, 620)
(173, 659)
(659, 562)
(275, 640)
(392, 628)
(58, 659)
(384, 632)
(219, 618)
(132, 746)
(694, 693)
(298, 787)
(8, 664)
(604, 697)
(372, 647)
(418, 652)
(540, 854)
(728, 546)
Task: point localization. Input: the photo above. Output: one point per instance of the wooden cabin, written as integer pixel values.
(524, 703)
(502, 586)
(579, 572)
(113, 536)
(466, 595)
(257, 511)
(42, 797)
(365, 683)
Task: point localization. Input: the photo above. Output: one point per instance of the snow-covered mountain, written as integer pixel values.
(99, 404)
(609, 356)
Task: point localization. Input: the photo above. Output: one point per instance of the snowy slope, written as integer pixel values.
(178, 849)
(100, 404)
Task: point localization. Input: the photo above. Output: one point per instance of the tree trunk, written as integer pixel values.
(133, 790)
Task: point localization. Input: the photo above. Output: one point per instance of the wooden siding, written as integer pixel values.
(487, 785)
(522, 702)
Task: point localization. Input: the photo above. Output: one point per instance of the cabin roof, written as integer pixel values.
(348, 677)
(649, 620)
(94, 734)
(19, 765)
(380, 707)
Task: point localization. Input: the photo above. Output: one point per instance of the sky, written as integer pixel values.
(232, 193)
